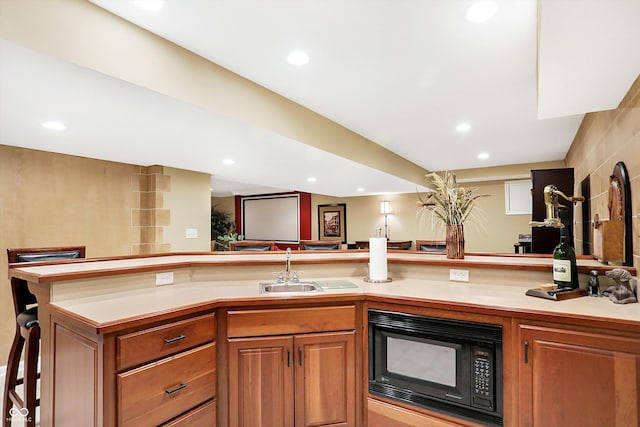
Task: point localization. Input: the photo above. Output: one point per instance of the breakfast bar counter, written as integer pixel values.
(90, 310)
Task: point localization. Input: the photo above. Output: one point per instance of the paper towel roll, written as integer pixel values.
(378, 258)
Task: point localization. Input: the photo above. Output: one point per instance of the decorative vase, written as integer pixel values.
(455, 241)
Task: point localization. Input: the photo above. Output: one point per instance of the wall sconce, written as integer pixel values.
(385, 209)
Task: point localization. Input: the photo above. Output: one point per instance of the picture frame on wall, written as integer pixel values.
(332, 222)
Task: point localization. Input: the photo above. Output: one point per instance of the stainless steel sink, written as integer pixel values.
(290, 288)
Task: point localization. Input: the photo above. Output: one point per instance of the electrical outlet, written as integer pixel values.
(191, 233)
(458, 275)
(164, 278)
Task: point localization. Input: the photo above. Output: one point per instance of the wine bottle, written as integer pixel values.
(565, 269)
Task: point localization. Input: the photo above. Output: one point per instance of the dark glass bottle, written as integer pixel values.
(565, 269)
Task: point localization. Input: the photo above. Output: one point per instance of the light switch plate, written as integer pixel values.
(191, 233)
(458, 275)
(164, 278)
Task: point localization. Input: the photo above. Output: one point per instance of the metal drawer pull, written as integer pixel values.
(176, 388)
(178, 338)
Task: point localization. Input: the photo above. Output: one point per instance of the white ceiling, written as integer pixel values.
(402, 73)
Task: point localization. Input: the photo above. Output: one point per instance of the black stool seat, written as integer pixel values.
(28, 318)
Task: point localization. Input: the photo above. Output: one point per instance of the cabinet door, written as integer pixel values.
(325, 379)
(261, 382)
(572, 378)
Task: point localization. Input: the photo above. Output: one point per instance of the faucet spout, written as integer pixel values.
(287, 266)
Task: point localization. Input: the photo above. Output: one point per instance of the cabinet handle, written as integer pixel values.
(288, 358)
(300, 356)
(176, 388)
(178, 338)
(526, 352)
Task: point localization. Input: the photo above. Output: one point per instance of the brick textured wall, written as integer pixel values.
(604, 139)
(150, 218)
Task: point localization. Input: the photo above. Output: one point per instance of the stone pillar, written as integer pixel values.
(150, 218)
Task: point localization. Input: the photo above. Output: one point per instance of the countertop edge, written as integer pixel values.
(32, 273)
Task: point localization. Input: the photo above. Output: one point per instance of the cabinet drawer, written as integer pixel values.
(151, 344)
(287, 321)
(165, 389)
(203, 415)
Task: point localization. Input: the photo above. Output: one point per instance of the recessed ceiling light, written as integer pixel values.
(483, 156)
(297, 57)
(481, 11)
(360, 189)
(149, 5)
(52, 125)
(463, 127)
(311, 179)
(228, 162)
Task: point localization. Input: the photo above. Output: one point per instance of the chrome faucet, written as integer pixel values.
(287, 266)
(287, 275)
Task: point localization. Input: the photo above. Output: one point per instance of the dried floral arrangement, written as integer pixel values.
(444, 199)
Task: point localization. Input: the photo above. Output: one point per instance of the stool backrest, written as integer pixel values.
(19, 288)
(431, 245)
(45, 254)
(252, 245)
(324, 245)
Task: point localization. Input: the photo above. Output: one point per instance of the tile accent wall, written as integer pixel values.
(604, 139)
(150, 218)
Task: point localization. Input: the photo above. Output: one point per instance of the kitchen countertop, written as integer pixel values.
(111, 304)
(108, 309)
(89, 267)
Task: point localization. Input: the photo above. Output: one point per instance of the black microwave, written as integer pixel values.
(449, 366)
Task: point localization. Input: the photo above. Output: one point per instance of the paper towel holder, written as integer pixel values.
(387, 280)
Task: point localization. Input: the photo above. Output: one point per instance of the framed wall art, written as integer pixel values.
(332, 222)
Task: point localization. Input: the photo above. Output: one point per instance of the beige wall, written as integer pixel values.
(49, 199)
(604, 139)
(189, 202)
(497, 232)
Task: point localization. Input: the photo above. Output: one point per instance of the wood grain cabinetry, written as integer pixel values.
(578, 378)
(174, 371)
(383, 414)
(149, 376)
(306, 378)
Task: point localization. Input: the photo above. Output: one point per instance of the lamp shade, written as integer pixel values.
(385, 207)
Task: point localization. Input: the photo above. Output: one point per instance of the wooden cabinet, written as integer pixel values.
(261, 382)
(302, 379)
(159, 374)
(167, 372)
(383, 414)
(325, 379)
(578, 378)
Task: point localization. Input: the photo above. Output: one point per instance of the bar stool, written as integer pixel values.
(27, 336)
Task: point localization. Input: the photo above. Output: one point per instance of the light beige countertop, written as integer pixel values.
(105, 292)
(105, 309)
(97, 267)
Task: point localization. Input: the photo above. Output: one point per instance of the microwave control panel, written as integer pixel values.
(482, 378)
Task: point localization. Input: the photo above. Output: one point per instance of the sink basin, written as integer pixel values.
(290, 288)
